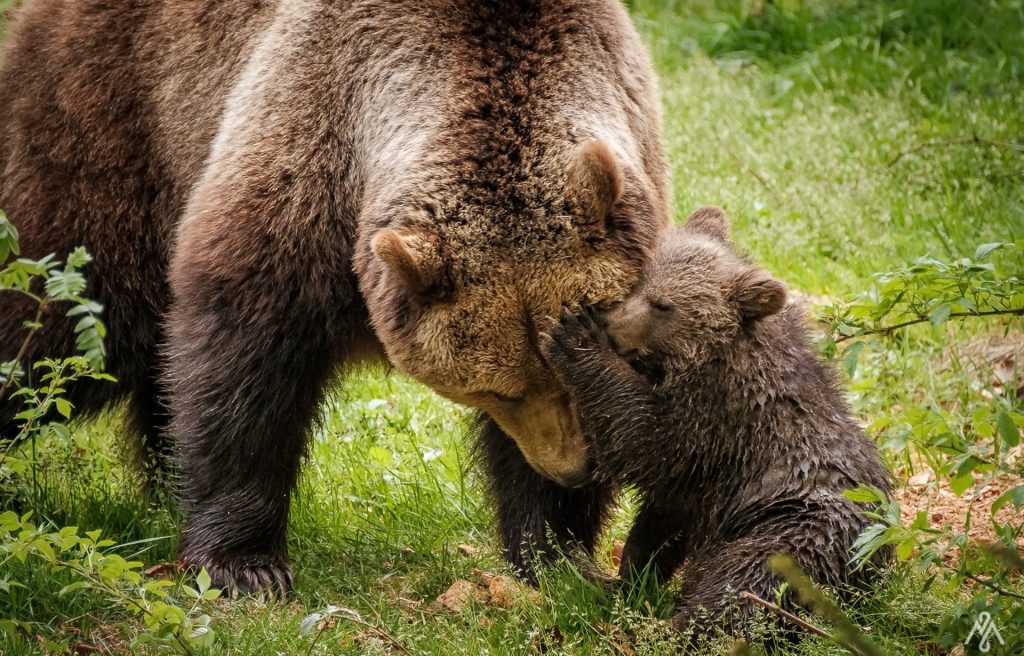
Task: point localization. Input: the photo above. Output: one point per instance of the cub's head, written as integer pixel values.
(695, 297)
(458, 285)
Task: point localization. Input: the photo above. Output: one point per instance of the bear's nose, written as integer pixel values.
(578, 477)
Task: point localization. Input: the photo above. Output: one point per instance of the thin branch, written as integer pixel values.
(785, 614)
(739, 160)
(24, 348)
(1016, 312)
(985, 582)
(379, 632)
(943, 143)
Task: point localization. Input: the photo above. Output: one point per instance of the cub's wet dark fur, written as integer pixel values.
(735, 434)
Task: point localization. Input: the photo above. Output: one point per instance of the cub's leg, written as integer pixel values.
(656, 543)
(817, 537)
(537, 518)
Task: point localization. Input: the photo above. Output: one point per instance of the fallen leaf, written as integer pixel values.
(461, 594)
(617, 548)
(506, 592)
(920, 478)
(485, 577)
(163, 571)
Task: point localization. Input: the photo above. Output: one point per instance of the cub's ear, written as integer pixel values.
(594, 182)
(710, 222)
(758, 295)
(413, 254)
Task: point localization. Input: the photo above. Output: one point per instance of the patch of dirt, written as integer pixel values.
(993, 357)
(995, 360)
(944, 508)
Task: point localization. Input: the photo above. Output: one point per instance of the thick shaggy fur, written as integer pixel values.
(316, 183)
(723, 418)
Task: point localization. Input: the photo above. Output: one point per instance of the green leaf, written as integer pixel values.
(71, 587)
(63, 407)
(985, 250)
(203, 581)
(1007, 429)
(1014, 494)
(940, 314)
(850, 356)
(960, 484)
(906, 548)
(864, 494)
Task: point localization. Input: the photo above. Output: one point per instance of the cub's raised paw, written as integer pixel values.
(581, 329)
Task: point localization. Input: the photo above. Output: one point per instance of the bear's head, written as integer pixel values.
(694, 298)
(457, 288)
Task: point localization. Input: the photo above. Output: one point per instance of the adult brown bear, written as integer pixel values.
(274, 190)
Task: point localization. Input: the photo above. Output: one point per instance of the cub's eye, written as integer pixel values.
(661, 306)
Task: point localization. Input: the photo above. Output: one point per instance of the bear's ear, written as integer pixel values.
(710, 222)
(758, 295)
(414, 255)
(594, 182)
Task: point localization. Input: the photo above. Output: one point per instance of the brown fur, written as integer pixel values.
(715, 407)
(316, 183)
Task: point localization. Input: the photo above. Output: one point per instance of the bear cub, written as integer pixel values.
(702, 390)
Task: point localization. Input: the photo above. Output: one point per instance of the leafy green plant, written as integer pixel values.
(969, 440)
(79, 563)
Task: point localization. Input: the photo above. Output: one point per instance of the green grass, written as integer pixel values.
(807, 122)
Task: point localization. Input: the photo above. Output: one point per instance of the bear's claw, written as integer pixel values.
(258, 575)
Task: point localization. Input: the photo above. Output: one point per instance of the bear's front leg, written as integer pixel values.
(537, 518)
(250, 348)
(265, 306)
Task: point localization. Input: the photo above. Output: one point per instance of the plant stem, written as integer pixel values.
(1017, 312)
(24, 347)
(985, 582)
(953, 142)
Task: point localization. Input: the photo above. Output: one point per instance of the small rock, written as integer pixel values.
(468, 550)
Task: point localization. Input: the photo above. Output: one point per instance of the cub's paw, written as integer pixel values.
(573, 334)
(266, 576)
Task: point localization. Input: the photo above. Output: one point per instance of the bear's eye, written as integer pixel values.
(505, 398)
(661, 306)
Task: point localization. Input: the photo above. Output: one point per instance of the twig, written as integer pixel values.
(785, 614)
(985, 582)
(380, 633)
(953, 142)
(1017, 312)
(24, 348)
(741, 162)
(847, 634)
